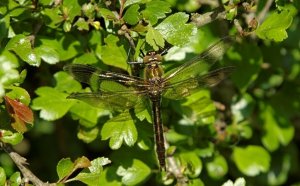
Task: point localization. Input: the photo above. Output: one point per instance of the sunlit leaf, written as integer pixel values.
(64, 168)
(175, 30)
(154, 38)
(134, 174)
(131, 15)
(274, 27)
(113, 54)
(21, 45)
(10, 137)
(242, 107)
(192, 163)
(92, 177)
(251, 160)
(66, 83)
(82, 24)
(278, 130)
(118, 132)
(15, 179)
(51, 103)
(19, 94)
(2, 176)
(88, 135)
(238, 182)
(156, 10)
(217, 168)
(109, 178)
(48, 54)
(8, 72)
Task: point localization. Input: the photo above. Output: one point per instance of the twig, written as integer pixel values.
(21, 162)
(126, 32)
(174, 168)
(262, 13)
(203, 19)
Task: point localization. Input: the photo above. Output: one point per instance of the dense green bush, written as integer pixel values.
(244, 130)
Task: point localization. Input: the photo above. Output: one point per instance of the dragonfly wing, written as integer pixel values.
(200, 64)
(114, 101)
(186, 87)
(94, 76)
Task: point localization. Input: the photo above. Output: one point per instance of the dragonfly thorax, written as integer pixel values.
(152, 57)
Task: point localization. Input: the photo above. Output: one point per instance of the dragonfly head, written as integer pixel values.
(152, 58)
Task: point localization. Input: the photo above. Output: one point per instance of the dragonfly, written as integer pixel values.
(120, 92)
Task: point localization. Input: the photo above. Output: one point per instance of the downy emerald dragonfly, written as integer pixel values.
(119, 92)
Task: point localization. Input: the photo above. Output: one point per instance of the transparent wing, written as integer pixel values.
(186, 87)
(198, 65)
(114, 101)
(94, 76)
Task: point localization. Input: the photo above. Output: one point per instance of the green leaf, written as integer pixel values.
(130, 2)
(21, 45)
(238, 182)
(197, 108)
(113, 54)
(145, 131)
(45, 2)
(48, 54)
(19, 94)
(242, 107)
(2, 176)
(245, 56)
(66, 83)
(64, 168)
(251, 160)
(274, 27)
(15, 179)
(196, 182)
(52, 103)
(110, 178)
(131, 15)
(81, 24)
(87, 135)
(95, 170)
(175, 30)
(86, 58)
(87, 114)
(8, 73)
(107, 14)
(154, 38)
(156, 10)
(192, 162)
(11, 138)
(119, 131)
(68, 46)
(282, 163)
(71, 9)
(52, 17)
(217, 168)
(277, 128)
(4, 25)
(135, 174)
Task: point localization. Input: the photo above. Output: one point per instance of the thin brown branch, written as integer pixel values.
(203, 19)
(264, 11)
(126, 32)
(21, 164)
